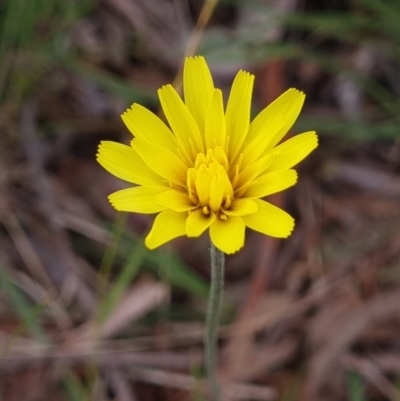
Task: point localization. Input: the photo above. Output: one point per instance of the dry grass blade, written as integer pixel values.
(373, 375)
(34, 264)
(138, 301)
(315, 316)
(235, 391)
(120, 384)
(356, 322)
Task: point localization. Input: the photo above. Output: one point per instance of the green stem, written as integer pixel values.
(212, 321)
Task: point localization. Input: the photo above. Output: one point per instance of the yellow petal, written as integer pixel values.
(242, 207)
(293, 151)
(270, 220)
(181, 121)
(137, 200)
(260, 143)
(161, 161)
(167, 226)
(198, 88)
(271, 183)
(174, 200)
(226, 184)
(228, 235)
(238, 111)
(216, 193)
(198, 222)
(215, 126)
(286, 107)
(202, 186)
(247, 176)
(125, 163)
(142, 123)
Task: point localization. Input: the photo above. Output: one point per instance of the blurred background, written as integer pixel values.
(88, 313)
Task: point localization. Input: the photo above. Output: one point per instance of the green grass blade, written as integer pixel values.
(27, 313)
(128, 272)
(355, 387)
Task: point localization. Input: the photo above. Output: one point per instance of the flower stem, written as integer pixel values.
(212, 320)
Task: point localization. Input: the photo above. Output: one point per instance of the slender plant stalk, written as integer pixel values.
(212, 321)
(194, 40)
(197, 33)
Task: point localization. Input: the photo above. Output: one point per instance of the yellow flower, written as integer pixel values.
(210, 168)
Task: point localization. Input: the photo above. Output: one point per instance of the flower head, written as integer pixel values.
(211, 167)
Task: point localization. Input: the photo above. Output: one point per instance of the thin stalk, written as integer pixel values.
(212, 320)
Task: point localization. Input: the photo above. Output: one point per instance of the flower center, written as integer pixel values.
(208, 182)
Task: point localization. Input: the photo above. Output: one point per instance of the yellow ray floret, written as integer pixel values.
(209, 168)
